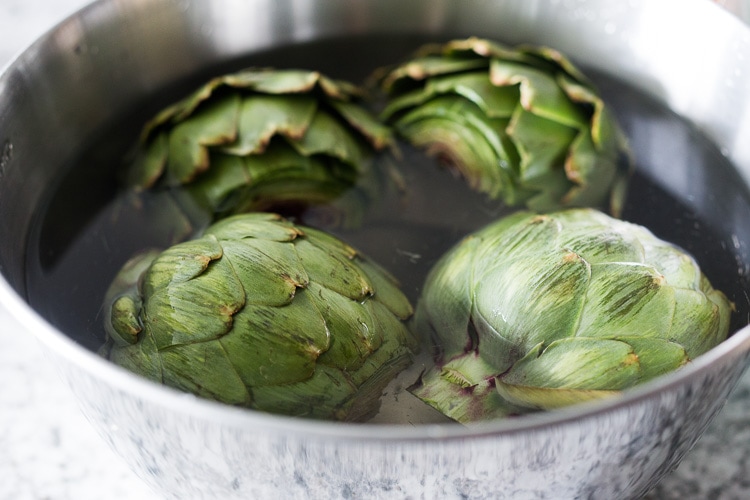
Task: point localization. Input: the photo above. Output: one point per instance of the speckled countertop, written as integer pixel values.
(49, 451)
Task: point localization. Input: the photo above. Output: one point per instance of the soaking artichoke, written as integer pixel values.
(261, 139)
(542, 311)
(520, 125)
(264, 314)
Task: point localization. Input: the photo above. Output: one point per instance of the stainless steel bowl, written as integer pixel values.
(103, 61)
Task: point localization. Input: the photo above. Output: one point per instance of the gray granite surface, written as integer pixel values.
(49, 451)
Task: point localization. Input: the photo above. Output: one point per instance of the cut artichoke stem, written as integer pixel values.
(561, 308)
(561, 147)
(266, 314)
(243, 140)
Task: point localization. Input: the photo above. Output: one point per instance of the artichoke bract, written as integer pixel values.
(536, 312)
(263, 138)
(261, 313)
(522, 125)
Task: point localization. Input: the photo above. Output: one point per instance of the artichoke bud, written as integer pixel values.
(522, 125)
(262, 313)
(561, 308)
(265, 139)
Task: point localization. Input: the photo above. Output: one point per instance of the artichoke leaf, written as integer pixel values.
(495, 102)
(541, 300)
(331, 270)
(281, 162)
(554, 61)
(540, 94)
(605, 136)
(263, 116)
(587, 169)
(258, 225)
(181, 263)
(656, 356)
(542, 145)
(179, 110)
(213, 124)
(142, 358)
(125, 325)
(444, 305)
(273, 82)
(219, 184)
(465, 149)
(576, 363)
(204, 369)
(149, 164)
(600, 244)
(626, 299)
(269, 271)
(679, 268)
(484, 48)
(518, 235)
(531, 398)
(122, 323)
(385, 321)
(421, 68)
(352, 333)
(288, 193)
(378, 134)
(327, 394)
(194, 310)
(697, 321)
(277, 345)
(388, 292)
(326, 135)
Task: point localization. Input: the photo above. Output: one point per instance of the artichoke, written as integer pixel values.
(261, 139)
(261, 313)
(536, 312)
(520, 125)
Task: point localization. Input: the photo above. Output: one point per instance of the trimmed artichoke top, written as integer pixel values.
(261, 138)
(541, 311)
(522, 125)
(265, 314)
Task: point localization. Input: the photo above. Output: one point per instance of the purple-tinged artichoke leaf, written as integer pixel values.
(463, 390)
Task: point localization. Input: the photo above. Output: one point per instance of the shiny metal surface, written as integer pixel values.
(97, 64)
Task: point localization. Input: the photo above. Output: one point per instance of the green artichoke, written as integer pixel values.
(520, 125)
(261, 139)
(541, 311)
(261, 313)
